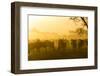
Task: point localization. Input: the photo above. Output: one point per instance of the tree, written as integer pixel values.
(80, 31)
(83, 19)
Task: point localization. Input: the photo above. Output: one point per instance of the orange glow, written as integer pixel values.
(49, 27)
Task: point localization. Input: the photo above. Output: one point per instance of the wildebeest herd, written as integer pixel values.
(57, 49)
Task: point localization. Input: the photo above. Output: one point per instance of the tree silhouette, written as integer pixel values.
(80, 31)
(83, 19)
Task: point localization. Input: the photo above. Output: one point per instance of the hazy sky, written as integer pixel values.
(55, 24)
(60, 25)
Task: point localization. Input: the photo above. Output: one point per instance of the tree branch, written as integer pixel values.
(84, 22)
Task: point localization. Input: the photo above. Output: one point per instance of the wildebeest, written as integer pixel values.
(61, 44)
(41, 44)
(74, 43)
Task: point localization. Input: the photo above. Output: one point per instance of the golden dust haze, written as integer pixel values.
(50, 27)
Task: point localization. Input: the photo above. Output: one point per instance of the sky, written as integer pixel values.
(61, 25)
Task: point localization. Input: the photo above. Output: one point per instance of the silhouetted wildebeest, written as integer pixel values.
(74, 43)
(61, 44)
(41, 44)
(56, 49)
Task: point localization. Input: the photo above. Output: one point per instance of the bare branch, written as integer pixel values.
(84, 21)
